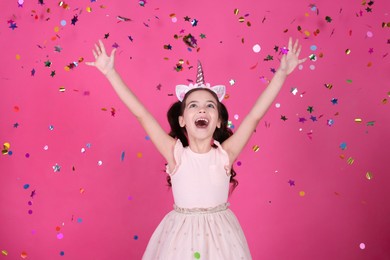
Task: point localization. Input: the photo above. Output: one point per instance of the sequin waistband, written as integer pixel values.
(218, 208)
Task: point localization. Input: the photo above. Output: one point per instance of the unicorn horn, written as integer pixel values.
(199, 75)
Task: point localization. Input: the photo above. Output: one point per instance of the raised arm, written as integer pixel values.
(105, 64)
(236, 142)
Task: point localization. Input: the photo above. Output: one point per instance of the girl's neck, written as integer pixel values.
(200, 146)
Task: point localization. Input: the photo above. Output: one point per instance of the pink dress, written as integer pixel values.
(201, 226)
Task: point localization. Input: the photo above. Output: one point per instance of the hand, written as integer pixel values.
(290, 61)
(103, 62)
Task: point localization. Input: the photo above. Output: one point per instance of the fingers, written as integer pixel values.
(90, 63)
(299, 50)
(102, 48)
(97, 49)
(94, 54)
(113, 53)
(302, 60)
(290, 43)
(295, 46)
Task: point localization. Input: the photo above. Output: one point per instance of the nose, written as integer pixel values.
(202, 110)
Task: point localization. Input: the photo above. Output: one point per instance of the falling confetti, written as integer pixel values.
(56, 168)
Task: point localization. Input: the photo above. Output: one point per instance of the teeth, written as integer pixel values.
(201, 122)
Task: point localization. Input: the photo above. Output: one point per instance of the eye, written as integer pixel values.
(210, 105)
(192, 105)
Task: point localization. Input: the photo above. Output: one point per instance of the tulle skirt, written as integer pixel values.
(200, 233)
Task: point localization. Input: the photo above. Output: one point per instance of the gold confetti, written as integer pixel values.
(89, 9)
(17, 56)
(62, 89)
(358, 120)
(139, 155)
(384, 101)
(4, 252)
(241, 19)
(329, 86)
(307, 33)
(236, 11)
(256, 148)
(369, 175)
(347, 51)
(350, 160)
(302, 193)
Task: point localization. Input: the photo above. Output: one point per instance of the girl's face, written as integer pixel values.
(200, 116)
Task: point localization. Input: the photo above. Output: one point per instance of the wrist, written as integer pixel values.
(111, 73)
(281, 72)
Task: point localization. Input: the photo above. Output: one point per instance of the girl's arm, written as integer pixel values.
(159, 137)
(234, 144)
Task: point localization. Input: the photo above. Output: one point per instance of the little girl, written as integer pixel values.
(200, 150)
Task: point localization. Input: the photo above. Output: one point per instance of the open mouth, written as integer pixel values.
(201, 122)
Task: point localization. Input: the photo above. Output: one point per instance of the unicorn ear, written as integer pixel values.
(181, 91)
(220, 90)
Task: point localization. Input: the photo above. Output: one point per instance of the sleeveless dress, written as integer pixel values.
(200, 226)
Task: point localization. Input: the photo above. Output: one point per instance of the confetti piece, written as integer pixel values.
(197, 255)
(256, 48)
(123, 156)
(60, 236)
(51, 127)
(62, 253)
(358, 120)
(328, 86)
(347, 51)
(26, 186)
(371, 123)
(369, 176)
(236, 11)
(82, 190)
(362, 246)
(4, 252)
(100, 163)
(277, 105)
(135, 237)
(56, 168)
(89, 9)
(139, 155)
(302, 193)
(294, 91)
(255, 148)
(23, 255)
(63, 22)
(343, 146)
(330, 122)
(350, 161)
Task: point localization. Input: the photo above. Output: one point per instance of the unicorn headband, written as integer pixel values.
(181, 90)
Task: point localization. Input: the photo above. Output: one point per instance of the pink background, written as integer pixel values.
(108, 210)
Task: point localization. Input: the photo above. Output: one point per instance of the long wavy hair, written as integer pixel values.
(220, 134)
